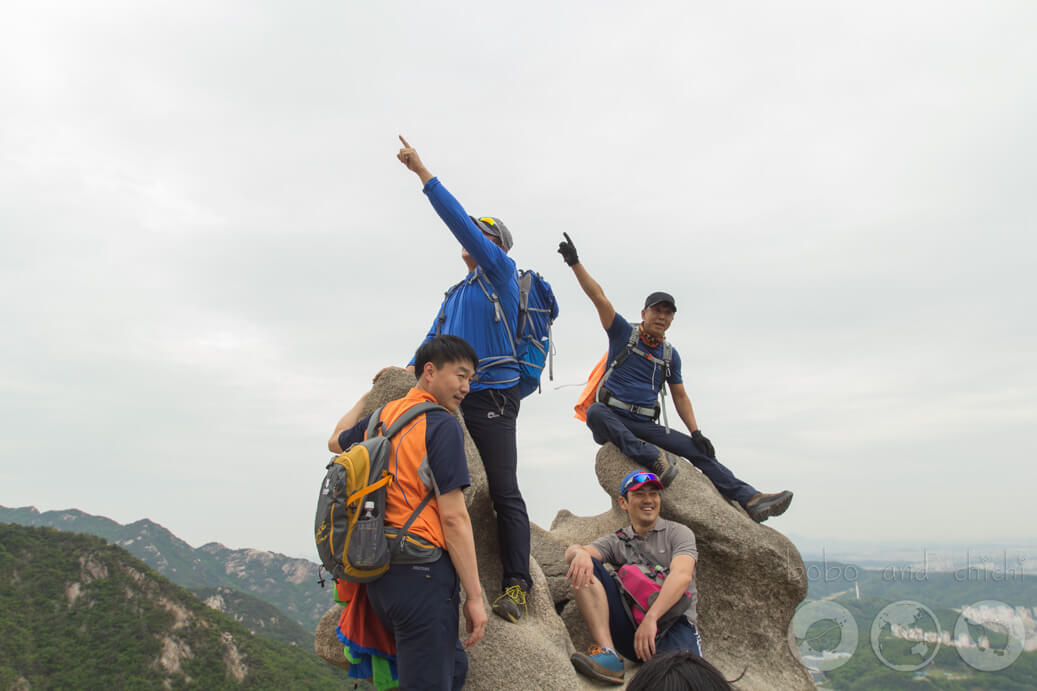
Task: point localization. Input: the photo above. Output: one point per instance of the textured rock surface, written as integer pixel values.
(531, 655)
(325, 641)
(750, 579)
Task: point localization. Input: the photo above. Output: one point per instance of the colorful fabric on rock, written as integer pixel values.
(369, 647)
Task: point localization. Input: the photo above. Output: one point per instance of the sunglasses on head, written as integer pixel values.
(640, 478)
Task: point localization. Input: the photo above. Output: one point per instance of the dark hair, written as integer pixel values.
(442, 349)
(681, 670)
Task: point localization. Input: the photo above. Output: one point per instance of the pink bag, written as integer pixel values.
(641, 592)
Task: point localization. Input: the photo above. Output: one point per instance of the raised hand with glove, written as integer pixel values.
(567, 249)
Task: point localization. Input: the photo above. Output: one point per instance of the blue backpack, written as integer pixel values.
(531, 344)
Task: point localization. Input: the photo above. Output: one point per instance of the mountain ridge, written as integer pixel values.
(79, 612)
(288, 583)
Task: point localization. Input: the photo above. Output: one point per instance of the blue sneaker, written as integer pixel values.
(599, 663)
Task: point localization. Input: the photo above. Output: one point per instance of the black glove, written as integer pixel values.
(702, 444)
(568, 251)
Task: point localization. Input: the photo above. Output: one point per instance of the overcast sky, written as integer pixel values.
(208, 245)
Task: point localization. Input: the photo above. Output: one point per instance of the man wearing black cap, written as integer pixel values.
(625, 410)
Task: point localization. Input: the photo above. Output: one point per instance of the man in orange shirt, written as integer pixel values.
(418, 603)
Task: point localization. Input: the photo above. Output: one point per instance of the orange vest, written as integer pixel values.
(407, 490)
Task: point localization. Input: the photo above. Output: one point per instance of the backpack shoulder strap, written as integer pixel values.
(667, 358)
(442, 308)
(374, 423)
(409, 414)
(622, 355)
(632, 341)
(629, 348)
(620, 358)
(636, 548)
(525, 283)
(498, 316)
(401, 537)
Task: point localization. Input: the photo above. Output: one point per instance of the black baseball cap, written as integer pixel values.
(659, 297)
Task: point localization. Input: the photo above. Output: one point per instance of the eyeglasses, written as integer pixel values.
(637, 479)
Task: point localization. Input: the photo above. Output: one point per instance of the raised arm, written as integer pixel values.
(606, 312)
(493, 259)
(345, 422)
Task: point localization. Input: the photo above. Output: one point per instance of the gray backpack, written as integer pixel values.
(353, 541)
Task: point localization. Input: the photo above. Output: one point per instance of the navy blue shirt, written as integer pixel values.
(638, 379)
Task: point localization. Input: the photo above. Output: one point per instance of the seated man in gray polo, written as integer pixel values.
(660, 549)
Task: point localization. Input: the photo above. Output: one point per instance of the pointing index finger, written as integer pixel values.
(404, 141)
(567, 238)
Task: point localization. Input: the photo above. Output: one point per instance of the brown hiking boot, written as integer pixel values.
(763, 506)
(665, 466)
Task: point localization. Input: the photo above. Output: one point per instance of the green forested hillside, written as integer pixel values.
(287, 583)
(947, 671)
(256, 615)
(77, 613)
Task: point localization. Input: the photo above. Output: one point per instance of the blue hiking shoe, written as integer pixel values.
(599, 663)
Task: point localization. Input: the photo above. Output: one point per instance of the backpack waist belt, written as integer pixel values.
(609, 399)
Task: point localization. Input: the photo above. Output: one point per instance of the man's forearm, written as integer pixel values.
(460, 545)
(571, 552)
(606, 313)
(423, 174)
(674, 586)
(686, 413)
(574, 549)
(589, 285)
(345, 422)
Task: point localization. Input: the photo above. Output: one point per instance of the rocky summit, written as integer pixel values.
(750, 579)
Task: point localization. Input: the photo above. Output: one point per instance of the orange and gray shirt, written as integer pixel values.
(427, 455)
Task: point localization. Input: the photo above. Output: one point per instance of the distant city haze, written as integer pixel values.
(208, 247)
